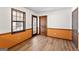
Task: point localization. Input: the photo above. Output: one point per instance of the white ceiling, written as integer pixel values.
(43, 9)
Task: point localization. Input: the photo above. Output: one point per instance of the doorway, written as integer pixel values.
(75, 27)
(43, 25)
(34, 25)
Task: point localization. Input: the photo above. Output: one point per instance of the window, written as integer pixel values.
(17, 20)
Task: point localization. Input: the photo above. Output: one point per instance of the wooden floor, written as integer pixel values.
(43, 43)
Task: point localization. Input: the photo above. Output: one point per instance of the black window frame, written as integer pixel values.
(24, 20)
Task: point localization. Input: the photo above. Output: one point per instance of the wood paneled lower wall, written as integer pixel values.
(78, 40)
(8, 40)
(60, 33)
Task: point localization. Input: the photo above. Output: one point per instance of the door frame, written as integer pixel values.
(40, 25)
(77, 28)
(36, 25)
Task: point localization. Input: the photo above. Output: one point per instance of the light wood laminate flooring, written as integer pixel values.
(43, 43)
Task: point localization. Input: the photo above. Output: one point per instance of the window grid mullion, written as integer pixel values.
(19, 19)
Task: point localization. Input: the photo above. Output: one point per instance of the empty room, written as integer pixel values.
(39, 29)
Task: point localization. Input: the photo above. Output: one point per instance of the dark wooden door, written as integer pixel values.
(75, 27)
(43, 25)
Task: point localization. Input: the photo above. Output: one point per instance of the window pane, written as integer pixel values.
(19, 26)
(14, 13)
(14, 28)
(22, 19)
(18, 29)
(18, 14)
(14, 18)
(18, 18)
(34, 25)
(22, 15)
(14, 23)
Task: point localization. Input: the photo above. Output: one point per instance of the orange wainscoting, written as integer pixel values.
(60, 33)
(8, 40)
(78, 40)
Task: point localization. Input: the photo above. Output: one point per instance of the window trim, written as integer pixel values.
(24, 20)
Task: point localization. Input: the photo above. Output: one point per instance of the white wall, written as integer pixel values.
(59, 19)
(5, 22)
(56, 19)
(5, 18)
(78, 20)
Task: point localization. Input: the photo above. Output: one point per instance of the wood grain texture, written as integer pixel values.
(9, 40)
(43, 43)
(78, 40)
(43, 25)
(60, 33)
